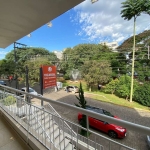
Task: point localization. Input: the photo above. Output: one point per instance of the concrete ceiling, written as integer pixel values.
(20, 17)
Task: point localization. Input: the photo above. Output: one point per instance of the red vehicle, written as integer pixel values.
(114, 131)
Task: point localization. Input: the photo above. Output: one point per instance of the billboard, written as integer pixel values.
(49, 76)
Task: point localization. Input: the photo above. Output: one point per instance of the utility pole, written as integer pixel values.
(27, 85)
(15, 56)
(16, 78)
(148, 51)
(41, 84)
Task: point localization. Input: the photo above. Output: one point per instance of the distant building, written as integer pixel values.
(112, 45)
(58, 54)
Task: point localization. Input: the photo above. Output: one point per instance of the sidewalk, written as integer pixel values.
(9, 140)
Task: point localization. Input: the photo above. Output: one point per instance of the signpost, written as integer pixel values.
(47, 78)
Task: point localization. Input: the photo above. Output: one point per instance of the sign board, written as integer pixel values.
(49, 76)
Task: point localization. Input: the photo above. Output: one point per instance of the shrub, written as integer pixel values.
(9, 100)
(142, 94)
(111, 86)
(124, 86)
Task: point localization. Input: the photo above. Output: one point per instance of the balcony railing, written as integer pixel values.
(55, 132)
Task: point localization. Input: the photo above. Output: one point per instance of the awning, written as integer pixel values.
(20, 17)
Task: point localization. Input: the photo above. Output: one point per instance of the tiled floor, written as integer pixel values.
(9, 140)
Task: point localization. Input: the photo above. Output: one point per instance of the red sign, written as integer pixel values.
(49, 76)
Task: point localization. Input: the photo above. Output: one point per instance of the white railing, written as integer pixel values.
(71, 130)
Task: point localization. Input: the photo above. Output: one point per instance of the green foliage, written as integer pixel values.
(141, 37)
(6, 67)
(112, 86)
(82, 101)
(32, 57)
(134, 8)
(142, 94)
(34, 66)
(82, 104)
(9, 100)
(95, 72)
(124, 86)
(75, 58)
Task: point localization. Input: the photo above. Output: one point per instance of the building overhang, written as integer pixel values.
(18, 18)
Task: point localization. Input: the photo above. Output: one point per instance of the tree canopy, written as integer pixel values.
(32, 57)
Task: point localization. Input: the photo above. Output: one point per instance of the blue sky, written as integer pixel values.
(86, 23)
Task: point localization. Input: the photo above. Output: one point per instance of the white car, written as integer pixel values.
(31, 91)
(70, 88)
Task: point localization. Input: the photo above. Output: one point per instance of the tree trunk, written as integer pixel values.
(133, 57)
(90, 89)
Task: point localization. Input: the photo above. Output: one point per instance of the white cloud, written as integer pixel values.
(102, 21)
(2, 54)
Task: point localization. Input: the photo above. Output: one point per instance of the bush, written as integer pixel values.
(124, 86)
(112, 86)
(61, 79)
(9, 100)
(142, 94)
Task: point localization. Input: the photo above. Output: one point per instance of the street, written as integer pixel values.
(133, 139)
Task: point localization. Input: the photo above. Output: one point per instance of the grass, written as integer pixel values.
(109, 98)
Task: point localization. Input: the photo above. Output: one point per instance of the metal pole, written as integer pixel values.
(41, 84)
(133, 57)
(27, 85)
(16, 82)
(148, 51)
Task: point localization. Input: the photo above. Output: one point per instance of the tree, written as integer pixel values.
(34, 66)
(95, 72)
(82, 104)
(133, 9)
(6, 67)
(32, 57)
(74, 58)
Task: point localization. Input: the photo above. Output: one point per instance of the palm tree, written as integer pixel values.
(133, 9)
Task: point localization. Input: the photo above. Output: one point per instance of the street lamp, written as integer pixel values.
(93, 1)
(49, 24)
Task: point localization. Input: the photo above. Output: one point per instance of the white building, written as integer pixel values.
(58, 54)
(112, 45)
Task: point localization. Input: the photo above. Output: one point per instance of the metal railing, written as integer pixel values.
(35, 124)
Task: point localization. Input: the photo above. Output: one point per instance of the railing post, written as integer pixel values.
(77, 137)
(87, 126)
(63, 134)
(28, 124)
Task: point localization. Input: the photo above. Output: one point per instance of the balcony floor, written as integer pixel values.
(9, 138)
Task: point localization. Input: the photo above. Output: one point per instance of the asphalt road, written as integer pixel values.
(133, 139)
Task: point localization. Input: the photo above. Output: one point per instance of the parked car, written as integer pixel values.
(71, 88)
(2, 82)
(114, 131)
(31, 91)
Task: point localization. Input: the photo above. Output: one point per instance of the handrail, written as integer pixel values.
(42, 127)
(65, 120)
(132, 126)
